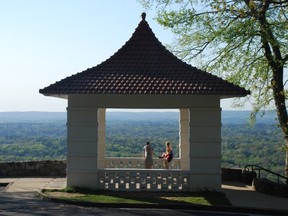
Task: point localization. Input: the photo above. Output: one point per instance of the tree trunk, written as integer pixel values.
(286, 161)
(275, 61)
(279, 98)
(280, 102)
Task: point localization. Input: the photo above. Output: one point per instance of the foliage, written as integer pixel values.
(241, 144)
(244, 42)
(127, 139)
(260, 145)
(32, 141)
(228, 38)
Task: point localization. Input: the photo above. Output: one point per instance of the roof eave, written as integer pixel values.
(232, 96)
(63, 96)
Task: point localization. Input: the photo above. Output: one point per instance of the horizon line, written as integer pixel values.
(126, 110)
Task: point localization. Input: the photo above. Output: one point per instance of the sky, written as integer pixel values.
(42, 42)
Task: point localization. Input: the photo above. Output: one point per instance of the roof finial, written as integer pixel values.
(143, 15)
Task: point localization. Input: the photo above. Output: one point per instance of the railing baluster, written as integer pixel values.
(146, 180)
(278, 179)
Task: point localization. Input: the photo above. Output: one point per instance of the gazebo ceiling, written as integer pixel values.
(144, 66)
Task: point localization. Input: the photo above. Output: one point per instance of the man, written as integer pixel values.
(148, 155)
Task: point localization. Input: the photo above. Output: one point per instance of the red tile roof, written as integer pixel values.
(144, 66)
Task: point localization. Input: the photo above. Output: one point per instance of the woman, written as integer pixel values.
(168, 155)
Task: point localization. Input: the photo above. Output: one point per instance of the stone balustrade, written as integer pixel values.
(138, 163)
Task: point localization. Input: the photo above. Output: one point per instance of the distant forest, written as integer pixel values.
(42, 136)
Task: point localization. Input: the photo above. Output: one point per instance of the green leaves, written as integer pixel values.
(224, 37)
(32, 141)
(244, 42)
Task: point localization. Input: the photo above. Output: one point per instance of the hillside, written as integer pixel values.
(37, 136)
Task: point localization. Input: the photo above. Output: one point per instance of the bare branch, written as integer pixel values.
(285, 82)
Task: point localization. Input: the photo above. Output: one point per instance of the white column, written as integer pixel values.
(82, 140)
(101, 137)
(184, 139)
(205, 148)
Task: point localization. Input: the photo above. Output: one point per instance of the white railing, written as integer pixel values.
(128, 174)
(143, 180)
(138, 163)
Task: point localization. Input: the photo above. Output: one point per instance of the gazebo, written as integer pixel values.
(143, 74)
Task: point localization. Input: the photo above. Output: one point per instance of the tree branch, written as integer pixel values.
(280, 2)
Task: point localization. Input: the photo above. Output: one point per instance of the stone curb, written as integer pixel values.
(167, 206)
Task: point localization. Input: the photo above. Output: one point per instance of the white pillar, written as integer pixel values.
(184, 139)
(82, 140)
(205, 148)
(101, 138)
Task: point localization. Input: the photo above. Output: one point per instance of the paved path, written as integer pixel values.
(241, 195)
(32, 184)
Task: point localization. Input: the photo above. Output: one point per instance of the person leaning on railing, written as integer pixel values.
(167, 155)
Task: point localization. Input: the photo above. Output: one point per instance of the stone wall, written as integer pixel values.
(55, 168)
(231, 174)
(268, 187)
(239, 175)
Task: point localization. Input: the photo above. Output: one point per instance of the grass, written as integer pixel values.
(206, 198)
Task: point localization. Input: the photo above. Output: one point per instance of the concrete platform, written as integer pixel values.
(32, 184)
(241, 195)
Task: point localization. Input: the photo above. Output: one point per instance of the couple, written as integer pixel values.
(148, 155)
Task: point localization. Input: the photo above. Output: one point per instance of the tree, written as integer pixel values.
(243, 41)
